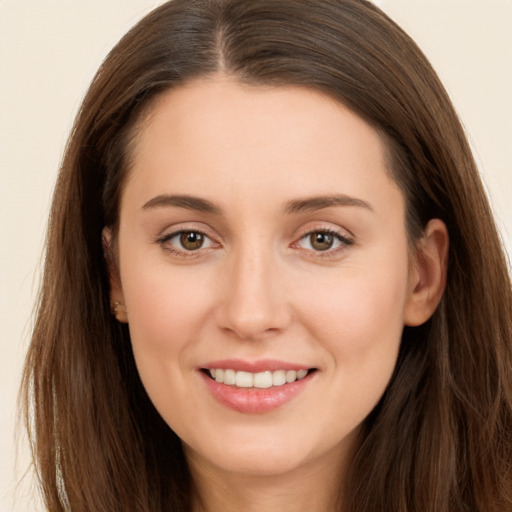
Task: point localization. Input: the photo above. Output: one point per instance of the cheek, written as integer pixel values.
(356, 308)
(166, 310)
(359, 323)
(166, 315)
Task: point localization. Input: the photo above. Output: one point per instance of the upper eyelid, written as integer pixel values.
(332, 231)
(182, 227)
(325, 228)
(173, 233)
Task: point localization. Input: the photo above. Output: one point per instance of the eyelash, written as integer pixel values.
(183, 253)
(343, 240)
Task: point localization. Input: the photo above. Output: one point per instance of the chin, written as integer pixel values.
(262, 456)
(264, 463)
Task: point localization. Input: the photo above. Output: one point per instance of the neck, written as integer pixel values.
(316, 486)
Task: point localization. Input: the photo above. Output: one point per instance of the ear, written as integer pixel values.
(117, 303)
(427, 278)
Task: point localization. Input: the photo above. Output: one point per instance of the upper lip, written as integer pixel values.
(254, 366)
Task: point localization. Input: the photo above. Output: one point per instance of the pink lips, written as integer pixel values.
(252, 400)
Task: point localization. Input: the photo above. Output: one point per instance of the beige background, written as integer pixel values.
(49, 51)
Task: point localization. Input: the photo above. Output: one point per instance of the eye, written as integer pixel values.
(323, 241)
(191, 240)
(184, 241)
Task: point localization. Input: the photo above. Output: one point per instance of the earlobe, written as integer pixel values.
(427, 278)
(117, 305)
(119, 311)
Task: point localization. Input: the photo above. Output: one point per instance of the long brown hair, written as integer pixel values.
(440, 439)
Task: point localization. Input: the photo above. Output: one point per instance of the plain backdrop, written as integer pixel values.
(49, 51)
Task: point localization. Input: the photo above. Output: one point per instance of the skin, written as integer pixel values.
(258, 289)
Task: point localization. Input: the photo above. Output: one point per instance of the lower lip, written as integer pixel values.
(255, 400)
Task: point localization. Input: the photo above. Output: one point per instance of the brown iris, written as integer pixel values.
(191, 240)
(321, 241)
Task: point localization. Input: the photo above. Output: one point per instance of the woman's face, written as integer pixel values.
(261, 238)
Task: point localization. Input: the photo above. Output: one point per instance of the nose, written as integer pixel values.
(253, 303)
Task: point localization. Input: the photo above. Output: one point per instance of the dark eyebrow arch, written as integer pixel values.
(182, 201)
(310, 204)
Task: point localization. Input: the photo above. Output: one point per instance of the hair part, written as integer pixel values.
(440, 438)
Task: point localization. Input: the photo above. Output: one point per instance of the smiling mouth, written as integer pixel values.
(259, 380)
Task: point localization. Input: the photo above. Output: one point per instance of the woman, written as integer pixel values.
(273, 280)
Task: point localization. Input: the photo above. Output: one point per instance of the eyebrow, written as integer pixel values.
(307, 204)
(314, 203)
(182, 201)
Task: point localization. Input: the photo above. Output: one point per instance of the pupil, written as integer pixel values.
(191, 240)
(321, 241)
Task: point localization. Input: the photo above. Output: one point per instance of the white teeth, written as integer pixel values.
(261, 380)
(230, 377)
(301, 374)
(244, 379)
(278, 378)
(291, 375)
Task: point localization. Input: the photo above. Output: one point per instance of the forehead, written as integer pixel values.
(232, 136)
(221, 102)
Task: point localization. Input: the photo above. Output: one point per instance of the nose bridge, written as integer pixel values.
(253, 302)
